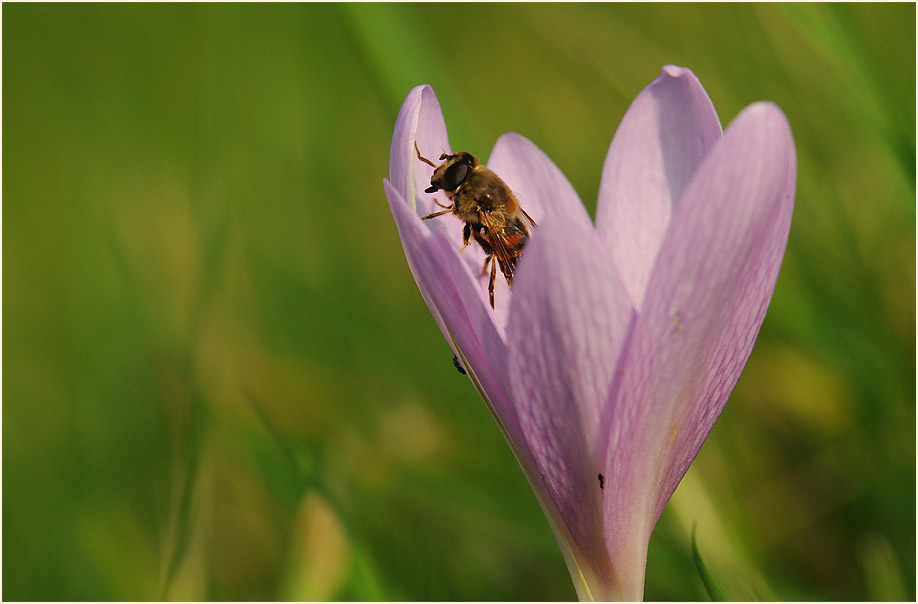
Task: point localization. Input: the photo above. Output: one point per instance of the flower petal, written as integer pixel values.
(542, 189)
(421, 119)
(455, 302)
(665, 134)
(570, 317)
(705, 301)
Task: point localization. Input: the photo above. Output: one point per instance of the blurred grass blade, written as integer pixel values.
(711, 584)
(181, 526)
(296, 461)
(882, 576)
(362, 575)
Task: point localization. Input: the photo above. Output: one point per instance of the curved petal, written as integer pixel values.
(705, 301)
(569, 322)
(542, 189)
(665, 134)
(461, 315)
(421, 119)
(467, 325)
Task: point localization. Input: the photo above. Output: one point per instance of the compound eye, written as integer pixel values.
(455, 175)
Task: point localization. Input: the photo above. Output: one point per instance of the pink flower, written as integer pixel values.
(609, 362)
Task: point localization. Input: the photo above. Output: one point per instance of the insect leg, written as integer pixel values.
(466, 236)
(484, 269)
(423, 159)
(435, 214)
(491, 281)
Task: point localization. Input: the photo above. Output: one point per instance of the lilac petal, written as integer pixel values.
(665, 134)
(455, 302)
(705, 301)
(569, 322)
(466, 323)
(419, 119)
(541, 188)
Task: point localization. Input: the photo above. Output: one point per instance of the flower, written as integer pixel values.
(608, 364)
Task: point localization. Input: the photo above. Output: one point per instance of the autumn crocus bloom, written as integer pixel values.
(610, 360)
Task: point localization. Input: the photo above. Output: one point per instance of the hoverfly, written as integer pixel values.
(491, 212)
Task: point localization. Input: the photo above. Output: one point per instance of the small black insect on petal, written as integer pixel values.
(601, 482)
(457, 365)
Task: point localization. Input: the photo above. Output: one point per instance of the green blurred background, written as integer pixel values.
(222, 383)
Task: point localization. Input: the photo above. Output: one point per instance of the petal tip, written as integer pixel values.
(423, 94)
(510, 138)
(680, 78)
(769, 117)
(766, 111)
(675, 71)
(419, 91)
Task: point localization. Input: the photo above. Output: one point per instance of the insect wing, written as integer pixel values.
(506, 246)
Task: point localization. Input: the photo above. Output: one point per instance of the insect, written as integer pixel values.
(602, 481)
(491, 212)
(458, 365)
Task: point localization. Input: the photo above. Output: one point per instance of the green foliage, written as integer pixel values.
(712, 586)
(221, 382)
